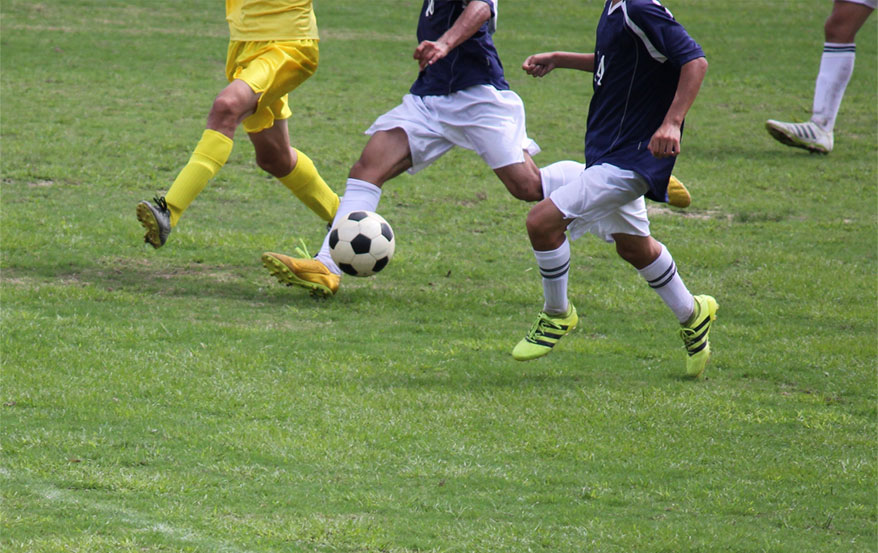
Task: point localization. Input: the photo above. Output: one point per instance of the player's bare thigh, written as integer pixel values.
(385, 156)
(522, 179)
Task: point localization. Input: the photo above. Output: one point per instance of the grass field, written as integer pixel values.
(181, 400)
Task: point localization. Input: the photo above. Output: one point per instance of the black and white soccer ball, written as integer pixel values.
(361, 243)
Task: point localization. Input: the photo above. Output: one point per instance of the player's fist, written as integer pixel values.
(538, 65)
(666, 141)
(429, 52)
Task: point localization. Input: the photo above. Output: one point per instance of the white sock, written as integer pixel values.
(836, 68)
(662, 276)
(554, 266)
(359, 195)
(558, 174)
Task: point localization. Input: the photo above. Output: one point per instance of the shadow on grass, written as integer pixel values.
(193, 280)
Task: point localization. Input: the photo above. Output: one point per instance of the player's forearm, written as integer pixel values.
(471, 20)
(574, 60)
(691, 76)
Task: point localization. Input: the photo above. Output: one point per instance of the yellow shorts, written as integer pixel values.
(272, 69)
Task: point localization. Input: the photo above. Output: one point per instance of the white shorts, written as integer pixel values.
(604, 200)
(871, 3)
(481, 118)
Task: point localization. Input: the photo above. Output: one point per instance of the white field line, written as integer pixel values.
(136, 519)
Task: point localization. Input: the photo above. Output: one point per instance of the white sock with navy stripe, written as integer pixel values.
(554, 266)
(836, 68)
(359, 195)
(662, 276)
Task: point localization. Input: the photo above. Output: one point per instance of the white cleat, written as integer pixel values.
(801, 135)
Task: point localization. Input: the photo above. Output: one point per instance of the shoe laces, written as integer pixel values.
(689, 336)
(161, 203)
(302, 250)
(693, 338)
(543, 323)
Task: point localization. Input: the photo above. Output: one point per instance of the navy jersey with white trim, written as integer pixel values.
(639, 50)
(473, 62)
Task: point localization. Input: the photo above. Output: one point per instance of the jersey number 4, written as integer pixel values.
(599, 72)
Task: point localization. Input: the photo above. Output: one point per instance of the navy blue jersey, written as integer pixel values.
(473, 62)
(639, 50)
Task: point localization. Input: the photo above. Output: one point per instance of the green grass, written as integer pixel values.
(180, 400)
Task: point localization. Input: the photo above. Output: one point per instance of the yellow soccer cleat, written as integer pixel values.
(678, 196)
(307, 273)
(544, 334)
(695, 335)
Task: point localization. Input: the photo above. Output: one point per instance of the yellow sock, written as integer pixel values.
(209, 156)
(307, 184)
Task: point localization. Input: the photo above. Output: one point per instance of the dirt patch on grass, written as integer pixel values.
(709, 214)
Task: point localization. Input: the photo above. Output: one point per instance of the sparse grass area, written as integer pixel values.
(180, 400)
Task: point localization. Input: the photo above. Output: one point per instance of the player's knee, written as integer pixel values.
(538, 224)
(225, 111)
(544, 232)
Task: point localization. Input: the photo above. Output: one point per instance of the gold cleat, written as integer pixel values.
(678, 196)
(307, 273)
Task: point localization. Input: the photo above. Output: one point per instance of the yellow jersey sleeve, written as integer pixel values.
(252, 20)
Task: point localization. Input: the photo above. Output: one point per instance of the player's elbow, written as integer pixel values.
(481, 11)
(698, 65)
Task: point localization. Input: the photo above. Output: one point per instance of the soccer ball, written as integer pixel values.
(361, 243)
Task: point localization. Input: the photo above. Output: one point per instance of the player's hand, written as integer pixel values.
(666, 141)
(429, 52)
(538, 65)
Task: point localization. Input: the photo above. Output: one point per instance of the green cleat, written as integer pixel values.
(544, 334)
(695, 335)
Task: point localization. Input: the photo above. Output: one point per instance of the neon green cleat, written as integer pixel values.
(695, 335)
(544, 334)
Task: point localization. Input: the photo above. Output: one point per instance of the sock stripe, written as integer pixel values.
(555, 272)
(840, 49)
(665, 278)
